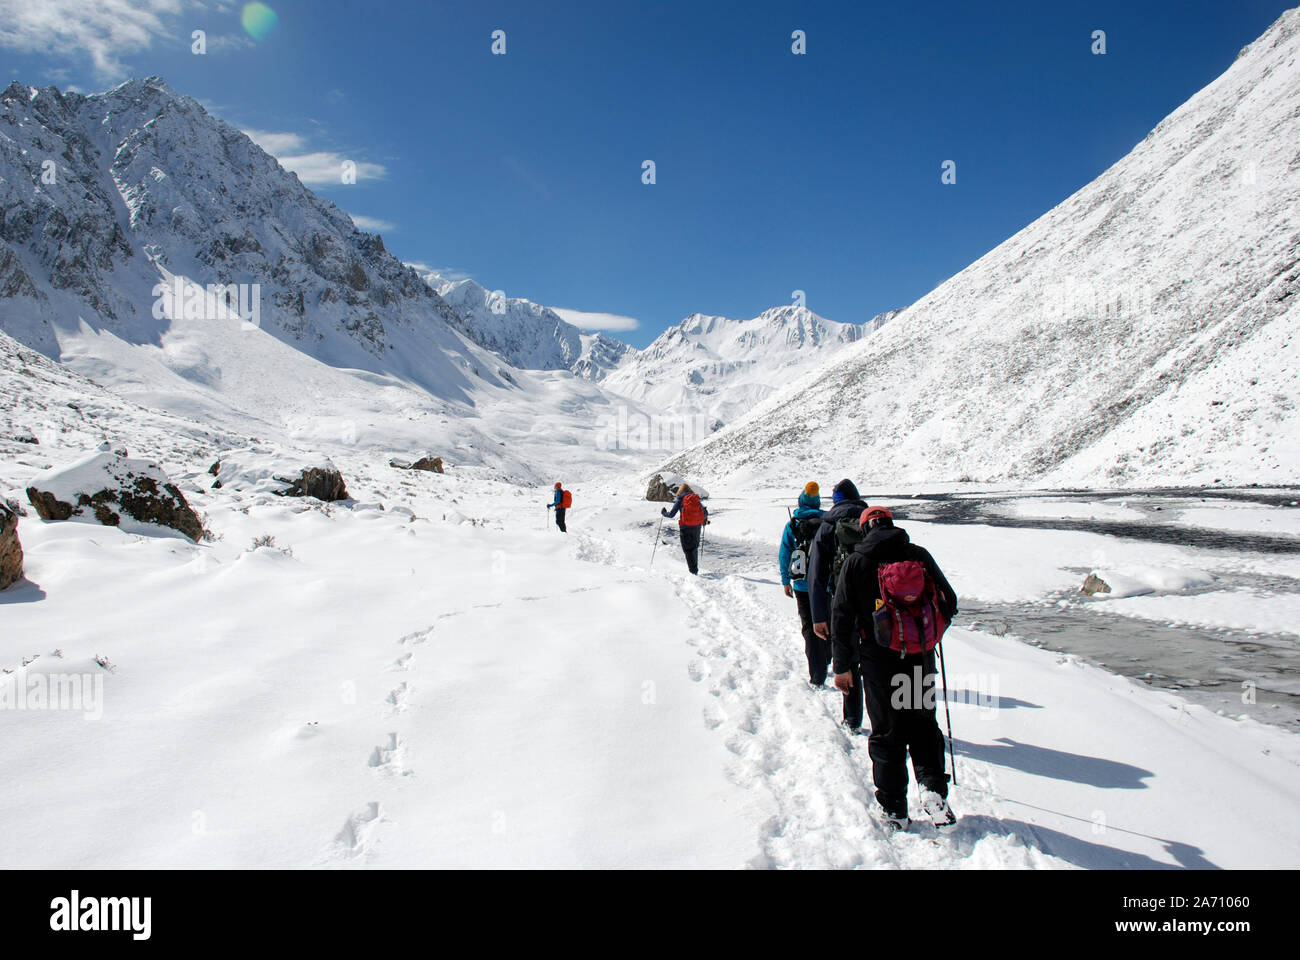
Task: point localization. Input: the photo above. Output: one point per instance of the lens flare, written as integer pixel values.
(258, 20)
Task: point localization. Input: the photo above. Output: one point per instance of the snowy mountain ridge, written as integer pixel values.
(1143, 332)
(721, 366)
(526, 334)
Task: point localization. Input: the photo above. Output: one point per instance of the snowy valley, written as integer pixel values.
(423, 671)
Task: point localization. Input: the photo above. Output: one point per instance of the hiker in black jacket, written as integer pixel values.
(902, 715)
(847, 506)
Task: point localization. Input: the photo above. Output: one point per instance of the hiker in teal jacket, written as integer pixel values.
(817, 650)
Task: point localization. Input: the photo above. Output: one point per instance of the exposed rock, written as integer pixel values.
(323, 483)
(658, 490)
(19, 434)
(430, 464)
(107, 484)
(1094, 585)
(11, 551)
(664, 488)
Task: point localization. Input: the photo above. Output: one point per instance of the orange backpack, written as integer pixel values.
(692, 511)
(566, 499)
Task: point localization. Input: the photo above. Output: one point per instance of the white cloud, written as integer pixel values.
(586, 320)
(372, 224)
(275, 143)
(105, 30)
(320, 169)
(325, 168)
(108, 32)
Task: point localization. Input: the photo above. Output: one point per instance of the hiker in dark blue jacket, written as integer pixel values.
(848, 505)
(694, 517)
(808, 515)
(558, 506)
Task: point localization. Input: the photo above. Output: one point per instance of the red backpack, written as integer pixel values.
(692, 511)
(907, 617)
(566, 499)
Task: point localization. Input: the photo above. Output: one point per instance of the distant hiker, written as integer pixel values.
(796, 542)
(694, 515)
(563, 500)
(890, 611)
(830, 548)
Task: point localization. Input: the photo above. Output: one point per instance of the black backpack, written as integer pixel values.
(848, 534)
(804, 530)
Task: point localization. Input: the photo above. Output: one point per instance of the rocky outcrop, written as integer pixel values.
(659, 491)
(1094, 584)
(108, 485)
(11, 551)
(430, 464)
(323, 483)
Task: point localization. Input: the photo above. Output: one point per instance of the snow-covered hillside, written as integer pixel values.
(105, 196)
(721, 367)
(1142, 332)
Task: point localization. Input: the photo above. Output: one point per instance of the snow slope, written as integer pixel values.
(1142, 332)
(722, 367)
(487, 692)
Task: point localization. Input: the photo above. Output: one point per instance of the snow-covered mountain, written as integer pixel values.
(526, 334)
(105, 196)
(722, 367)
(1142, 332)
(119, 214)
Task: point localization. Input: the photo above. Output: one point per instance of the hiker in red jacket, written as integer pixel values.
(694, 515)
(563, 499)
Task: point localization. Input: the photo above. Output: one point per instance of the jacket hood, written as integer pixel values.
(846, 508)
(883, 544)
(810, 501)
(802, 512)
(845, 490)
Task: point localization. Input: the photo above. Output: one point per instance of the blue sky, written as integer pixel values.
(775, 172)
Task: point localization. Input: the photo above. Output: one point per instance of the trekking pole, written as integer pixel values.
(947, 712)
(658, 531)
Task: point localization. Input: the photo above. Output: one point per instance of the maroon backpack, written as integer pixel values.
(907, 617)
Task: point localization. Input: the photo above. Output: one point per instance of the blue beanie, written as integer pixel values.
(844, 490)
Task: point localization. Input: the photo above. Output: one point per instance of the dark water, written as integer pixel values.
(1205, 666)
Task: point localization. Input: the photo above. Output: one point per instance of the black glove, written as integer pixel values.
(663, 511)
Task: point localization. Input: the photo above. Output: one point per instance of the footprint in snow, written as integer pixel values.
(357, 836)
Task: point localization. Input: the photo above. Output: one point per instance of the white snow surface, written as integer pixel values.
(444, 682)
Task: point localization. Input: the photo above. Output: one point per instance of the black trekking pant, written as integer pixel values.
(817, 650)
(559, 519)
(853, 699)
(691, 546)
(902, 695)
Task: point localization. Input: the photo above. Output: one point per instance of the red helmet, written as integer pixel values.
(874, 513)
(557, 484)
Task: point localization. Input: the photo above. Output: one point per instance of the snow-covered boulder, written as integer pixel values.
(658, 490)
(665, 486)
(19, 434)
(430, 464)
(271, 471)
(107, 484)
(11, 551)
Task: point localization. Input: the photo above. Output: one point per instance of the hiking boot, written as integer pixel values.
(937, 809)
(893, 822)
